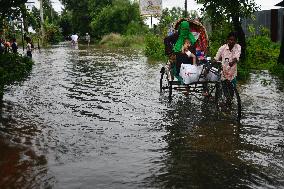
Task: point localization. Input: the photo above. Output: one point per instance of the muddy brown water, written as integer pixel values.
(94, 118)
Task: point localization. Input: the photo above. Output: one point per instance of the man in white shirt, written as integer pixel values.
(74, 39)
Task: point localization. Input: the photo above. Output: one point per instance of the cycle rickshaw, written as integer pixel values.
(223, 94)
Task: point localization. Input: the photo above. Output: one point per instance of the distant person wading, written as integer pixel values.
(29, 47)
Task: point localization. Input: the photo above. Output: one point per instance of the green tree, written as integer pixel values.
(117, 18)
(83, 11)
(66, 23)
(52, 32)
(231, 11)
(95, 6)
(169, 16)
(10, 7)
(49, 12)
(33, 19)
(103, 17)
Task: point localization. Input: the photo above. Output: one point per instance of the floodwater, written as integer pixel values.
(94, 118)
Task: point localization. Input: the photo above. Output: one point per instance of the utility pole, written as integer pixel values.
(22, 36)
(41, 20)
(185, 8)
(28, 9)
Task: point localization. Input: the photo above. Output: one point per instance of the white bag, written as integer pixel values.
(212, 76)
(190, 73)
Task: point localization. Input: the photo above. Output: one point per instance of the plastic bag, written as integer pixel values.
(190, 73)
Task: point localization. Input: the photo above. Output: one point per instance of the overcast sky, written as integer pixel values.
(191, 4)
(55, 3)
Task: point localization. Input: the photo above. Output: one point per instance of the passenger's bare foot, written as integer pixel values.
(205, 94)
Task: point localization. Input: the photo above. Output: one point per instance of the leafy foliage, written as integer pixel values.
(52, 32)
(278, 69)
(169, 16)
(116, 40)
(229, 11)
(120, 17)
(49, 12)
(13, 67)
(83, 11)
(10, 7)
(262, 53)
(220, 10)
(218, 38)
(33, 19)
(155, 48)
(65, 23)
(100, 18)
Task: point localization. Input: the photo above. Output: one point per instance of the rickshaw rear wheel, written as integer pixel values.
(164, 80)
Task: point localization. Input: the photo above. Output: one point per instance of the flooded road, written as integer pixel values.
(94, 118)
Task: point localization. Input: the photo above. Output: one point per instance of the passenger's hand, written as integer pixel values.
(214, 61)
(172, 57)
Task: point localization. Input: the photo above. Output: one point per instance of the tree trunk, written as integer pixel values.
(241, 35)
(281, 55)
(24, 16)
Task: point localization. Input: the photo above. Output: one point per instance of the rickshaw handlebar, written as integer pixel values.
(209, 64)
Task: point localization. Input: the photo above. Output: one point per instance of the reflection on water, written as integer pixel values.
(21, 167)
(203, 152)
(94, 118)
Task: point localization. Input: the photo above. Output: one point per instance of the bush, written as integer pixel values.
(121, 17)
(278, 69)
(117, 40)
(13, 67)
(135, 28)
(155, 48)
(262, 53)
(52, 33)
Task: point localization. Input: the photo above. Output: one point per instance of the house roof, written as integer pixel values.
(281, 4)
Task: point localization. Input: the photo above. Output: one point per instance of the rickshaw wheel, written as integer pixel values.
(228, 100)
(164, 80)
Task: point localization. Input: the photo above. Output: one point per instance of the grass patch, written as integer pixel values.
(114, 40)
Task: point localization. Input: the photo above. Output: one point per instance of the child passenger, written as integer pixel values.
(185, 50)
